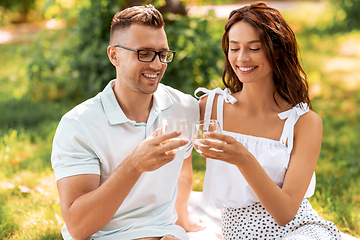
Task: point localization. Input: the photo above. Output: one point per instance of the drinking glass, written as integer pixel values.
(201, 127)
(169, 124)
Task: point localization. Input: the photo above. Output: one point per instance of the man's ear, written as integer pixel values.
(111, 51)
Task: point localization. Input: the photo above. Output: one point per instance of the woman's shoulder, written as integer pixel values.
(207, 92)
(202, 107)
(202, 101)
(310, 121)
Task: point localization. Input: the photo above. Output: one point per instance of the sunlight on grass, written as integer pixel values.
(198, 181)
(39, 209)
(28, 193)
(31, 203)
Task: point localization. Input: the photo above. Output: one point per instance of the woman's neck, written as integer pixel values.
(258, 98)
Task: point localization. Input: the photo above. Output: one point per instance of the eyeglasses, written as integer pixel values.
(149, 55)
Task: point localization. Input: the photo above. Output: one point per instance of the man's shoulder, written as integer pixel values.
(176, 94)
(86, 109)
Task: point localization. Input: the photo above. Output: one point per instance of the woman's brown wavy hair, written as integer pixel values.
(280, 47)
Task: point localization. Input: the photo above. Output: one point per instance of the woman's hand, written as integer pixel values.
(226, 149)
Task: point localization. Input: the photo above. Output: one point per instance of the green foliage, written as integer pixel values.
(348, 10)
(209, 2)
(49, 70)
(90, 67)
(23, 6)
(75, 66)
(78, 67)
(15, 11)
(327, 17)
(22, 114)
(199, 58)
(62, 9)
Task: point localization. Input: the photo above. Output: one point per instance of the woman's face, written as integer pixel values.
(246, 54)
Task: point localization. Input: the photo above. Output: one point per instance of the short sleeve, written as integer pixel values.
(71, 151)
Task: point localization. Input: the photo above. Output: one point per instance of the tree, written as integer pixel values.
(78, 67)
(351, 10)
(22, 7)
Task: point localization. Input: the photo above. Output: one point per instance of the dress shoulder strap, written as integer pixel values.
(223, 95)
(291, 117)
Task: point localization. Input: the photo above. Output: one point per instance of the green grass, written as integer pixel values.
(28, 197)
(29, 203)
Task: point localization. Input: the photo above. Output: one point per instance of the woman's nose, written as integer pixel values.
(243, 56)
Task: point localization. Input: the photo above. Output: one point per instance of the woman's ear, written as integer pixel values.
(111, 51)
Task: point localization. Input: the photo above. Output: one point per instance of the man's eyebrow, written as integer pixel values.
(152, 49)
(236, 42)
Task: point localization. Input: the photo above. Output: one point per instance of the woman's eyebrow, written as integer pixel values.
(252, 41)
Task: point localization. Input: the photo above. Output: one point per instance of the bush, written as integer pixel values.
(347, 15)
(22, 8)
(77, 67)
(28, 114)
(199, 58)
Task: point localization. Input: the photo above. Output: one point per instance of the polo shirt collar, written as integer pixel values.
(114, 113)
(162, 98)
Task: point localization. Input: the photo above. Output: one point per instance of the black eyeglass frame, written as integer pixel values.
(156, 53)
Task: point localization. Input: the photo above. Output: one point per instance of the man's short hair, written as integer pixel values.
(144, 15)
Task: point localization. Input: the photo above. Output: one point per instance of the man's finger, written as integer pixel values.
(173, 143)
(163, 137)
(155, 133)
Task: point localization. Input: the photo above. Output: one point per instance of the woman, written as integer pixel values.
(271, 138)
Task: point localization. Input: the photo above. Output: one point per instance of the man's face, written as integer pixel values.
(141, 77)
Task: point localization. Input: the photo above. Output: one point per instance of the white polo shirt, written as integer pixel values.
(96, 136)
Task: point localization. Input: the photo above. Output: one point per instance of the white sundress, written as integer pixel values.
(243, 215)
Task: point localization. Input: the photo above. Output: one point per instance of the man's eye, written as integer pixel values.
(144, 54)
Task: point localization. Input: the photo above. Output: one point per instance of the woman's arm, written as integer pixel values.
(282, 203)
(190, 222)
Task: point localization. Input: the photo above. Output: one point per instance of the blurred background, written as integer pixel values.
(53, 56)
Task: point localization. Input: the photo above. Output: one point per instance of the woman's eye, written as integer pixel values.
(234, 49)
(254, 49)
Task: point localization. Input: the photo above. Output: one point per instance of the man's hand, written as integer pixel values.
(152, 154)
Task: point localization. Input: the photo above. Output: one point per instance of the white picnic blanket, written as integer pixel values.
(212, 218)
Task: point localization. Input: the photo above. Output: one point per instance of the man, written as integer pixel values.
(115, 176)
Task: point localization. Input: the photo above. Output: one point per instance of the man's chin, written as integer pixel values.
(149, 89)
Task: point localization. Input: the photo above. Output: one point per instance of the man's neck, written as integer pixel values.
(136, 106)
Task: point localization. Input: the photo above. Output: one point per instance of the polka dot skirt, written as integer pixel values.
(254, 222)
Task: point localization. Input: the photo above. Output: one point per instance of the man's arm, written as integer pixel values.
(87, 207)
(190, 223)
